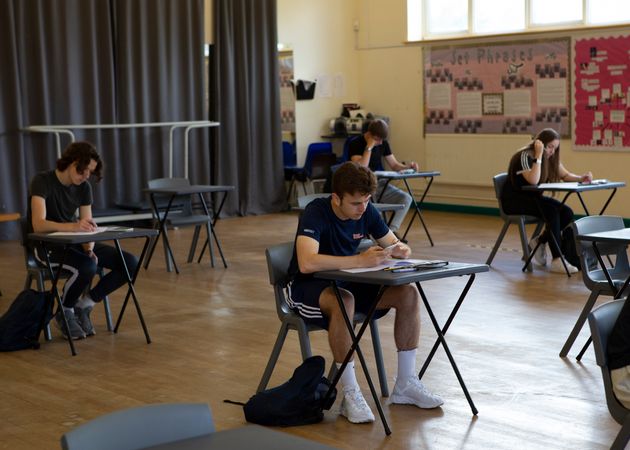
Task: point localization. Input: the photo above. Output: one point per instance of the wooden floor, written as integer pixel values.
(213, 329)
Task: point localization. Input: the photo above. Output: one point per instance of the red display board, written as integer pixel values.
(602, 94)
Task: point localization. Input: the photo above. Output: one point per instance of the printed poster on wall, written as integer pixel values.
(514, 88)
(287, 96)
(602, 94)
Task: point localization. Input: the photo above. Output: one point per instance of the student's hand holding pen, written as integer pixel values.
(86, 225)
(373, 256)
(398, 250)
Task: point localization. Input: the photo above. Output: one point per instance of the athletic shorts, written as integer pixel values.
(303, 298)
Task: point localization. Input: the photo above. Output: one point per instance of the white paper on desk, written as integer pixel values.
(563, 185)
(87, 233)
(385, 173)
(391, 262)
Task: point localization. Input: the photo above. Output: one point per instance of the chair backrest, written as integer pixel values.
(316, 148)
(601, 321)
(289, 158)
(141, 427)
(596, 224)
(181, 202)
(346, 148)
(278, 260)
(29, 252)
(306, 199)
(321, 166)
(499, 182)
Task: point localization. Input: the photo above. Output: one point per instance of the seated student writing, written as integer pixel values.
(539, 162)
(55, 197)
(369, 149)
(328, 235)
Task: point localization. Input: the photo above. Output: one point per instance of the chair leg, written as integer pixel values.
(623, 436)
(497, 243)
(524, 243)
(193, 244)
(579, 323)
(40, 287)
(273, 358)
(378, 356)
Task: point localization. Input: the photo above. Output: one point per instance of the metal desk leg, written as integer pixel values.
(131, 290)
(216, 240)
(417, 209)
(442, 340)
(355, 347)
(54, 280)
(162, 232)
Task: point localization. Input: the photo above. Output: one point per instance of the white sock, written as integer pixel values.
(85, 302)
(406, 364)
(348, 378)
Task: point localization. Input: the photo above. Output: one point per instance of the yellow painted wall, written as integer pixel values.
(385, 77)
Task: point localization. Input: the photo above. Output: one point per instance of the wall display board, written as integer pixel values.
(602, 94)
(287, 96)
(518, 87)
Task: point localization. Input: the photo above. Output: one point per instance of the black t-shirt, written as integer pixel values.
(335, 236)
(62, 202)
(521, 162)
(357, 147)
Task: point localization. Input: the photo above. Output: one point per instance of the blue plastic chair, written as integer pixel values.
(289, 156)
(303, 174)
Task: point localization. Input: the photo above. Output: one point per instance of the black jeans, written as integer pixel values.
(83, 268)
(556, 215)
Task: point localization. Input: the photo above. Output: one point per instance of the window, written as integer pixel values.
(545, 12)
(431, 19)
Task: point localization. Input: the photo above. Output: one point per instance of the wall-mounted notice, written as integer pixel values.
(518, 87)
(602, 94)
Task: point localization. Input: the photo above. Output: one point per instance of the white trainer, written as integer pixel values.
(355, 408)
(411, 391)
(557, 267)
(541, 253)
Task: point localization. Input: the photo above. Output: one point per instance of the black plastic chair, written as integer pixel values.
(141, 427)
(509, 219)
(601, 321)
(278, 259)
(592, 274)
(38, 272)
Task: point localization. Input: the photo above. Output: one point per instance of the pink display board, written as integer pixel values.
(514, 88)
(602, 94)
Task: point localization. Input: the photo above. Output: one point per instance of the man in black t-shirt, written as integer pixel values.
(55, 199)
(328, 237)
(369, 149)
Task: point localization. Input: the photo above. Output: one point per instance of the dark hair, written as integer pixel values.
(351, 178)
(82, 153)
(550, 168)
(378, 128)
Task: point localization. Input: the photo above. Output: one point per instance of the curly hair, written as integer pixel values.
(82, 153)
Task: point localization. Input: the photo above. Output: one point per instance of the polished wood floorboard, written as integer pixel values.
(213, 330)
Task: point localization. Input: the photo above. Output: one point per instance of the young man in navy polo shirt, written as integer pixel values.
(328, 237)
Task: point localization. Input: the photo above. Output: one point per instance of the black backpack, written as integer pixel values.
(299, 401)
(22, 323)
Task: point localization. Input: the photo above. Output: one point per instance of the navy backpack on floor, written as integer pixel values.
(27, 316)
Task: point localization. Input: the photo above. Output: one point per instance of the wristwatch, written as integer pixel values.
(538, 161)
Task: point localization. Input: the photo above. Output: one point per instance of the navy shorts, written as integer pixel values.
(304, 299)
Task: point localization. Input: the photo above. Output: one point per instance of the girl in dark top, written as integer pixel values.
(536, 163)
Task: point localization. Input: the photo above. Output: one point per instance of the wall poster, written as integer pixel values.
(287, 96)
(518, 87)
(602, 94)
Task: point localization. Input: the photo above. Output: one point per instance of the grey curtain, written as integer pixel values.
(98, 61)
(245, 98)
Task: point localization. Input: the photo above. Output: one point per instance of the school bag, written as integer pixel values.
(22, 323)
(299, 401)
